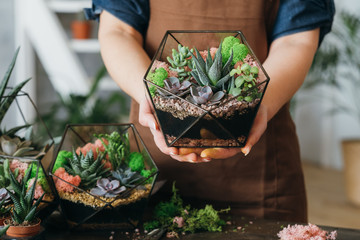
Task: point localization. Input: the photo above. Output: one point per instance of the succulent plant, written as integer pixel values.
(4, 174)
(5, 101)
(16, 147)
(117, 148)
(245, 85)
(127, 177)
(4, 197)
(211, 72)
(88, 168)
(24, 206)
(201, 95)
(181, 59)
(107, 188)
(173, 85)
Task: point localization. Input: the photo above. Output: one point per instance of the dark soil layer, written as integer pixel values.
(119, 216)
(229, 127)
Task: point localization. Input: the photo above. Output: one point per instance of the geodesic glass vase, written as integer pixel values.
(203, 101)
(104, 175)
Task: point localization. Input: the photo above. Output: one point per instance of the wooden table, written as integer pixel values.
(240, 228)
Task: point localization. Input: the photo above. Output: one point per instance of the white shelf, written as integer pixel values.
(69, 6)
(85, 46)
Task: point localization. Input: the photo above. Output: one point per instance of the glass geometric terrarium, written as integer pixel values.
(205, 88)
(20, 167)
(104, 175)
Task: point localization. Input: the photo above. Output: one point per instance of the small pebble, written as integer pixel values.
(145, 231)
(136, 230)
(127, 233)
(238, 228)
(111, 238)
(112, 232)
(251, 222)
(228, 222)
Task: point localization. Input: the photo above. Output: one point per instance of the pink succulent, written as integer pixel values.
(62, 186)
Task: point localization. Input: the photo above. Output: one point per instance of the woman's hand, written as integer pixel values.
(198, 155)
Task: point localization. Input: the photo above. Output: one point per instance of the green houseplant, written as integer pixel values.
(23, 221)
(336, 69)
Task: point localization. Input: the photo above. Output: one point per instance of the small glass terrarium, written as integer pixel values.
(20, 167)
(205, 88)
(104, 175)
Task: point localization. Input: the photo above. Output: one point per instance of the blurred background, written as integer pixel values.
(59, 50)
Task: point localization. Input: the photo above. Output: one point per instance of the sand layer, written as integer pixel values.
(88, 200)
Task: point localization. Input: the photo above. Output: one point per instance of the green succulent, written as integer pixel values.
(3, 230)
(245, 85)
(4, 210)
(118, 147)
(127, 177)
(181, 59)
(88, 168)
(4, 174)
(211, 72)
(24, 206)
(7, 99)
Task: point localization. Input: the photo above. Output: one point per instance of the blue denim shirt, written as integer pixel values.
(293, 15)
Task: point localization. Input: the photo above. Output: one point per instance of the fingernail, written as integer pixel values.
(246, 150)
(206, 159)
(173, 154)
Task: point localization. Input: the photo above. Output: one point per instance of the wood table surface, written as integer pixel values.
(240, 228)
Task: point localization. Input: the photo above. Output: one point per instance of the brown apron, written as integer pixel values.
(268, 183)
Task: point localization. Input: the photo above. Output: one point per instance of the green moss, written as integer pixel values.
(240, 52)
(157, 77)
(226, 47)
(41, 173)
(148, 226)
(61, 159)
(136, 161)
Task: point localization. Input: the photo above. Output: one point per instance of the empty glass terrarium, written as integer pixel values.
(205, 88)
(103, 174)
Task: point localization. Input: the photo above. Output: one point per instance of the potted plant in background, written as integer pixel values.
(26, 194)
(103, 174)
(80, 27)
(22, 140)
(336, 68)
(207, 97)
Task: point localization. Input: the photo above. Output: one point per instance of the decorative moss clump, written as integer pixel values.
(233, 44)
(157, 77)
(136, 162)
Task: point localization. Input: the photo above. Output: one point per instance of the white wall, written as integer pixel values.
(321, 133)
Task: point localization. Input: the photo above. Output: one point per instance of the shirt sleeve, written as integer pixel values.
(136, 13)
(302, 15)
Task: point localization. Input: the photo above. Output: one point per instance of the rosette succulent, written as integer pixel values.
(4, 197)
(107, 188)
(88, 168)
(211, 72)
(173, 85)
(127, 177)
(181, 59)
(16, 147)
(201, 95)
